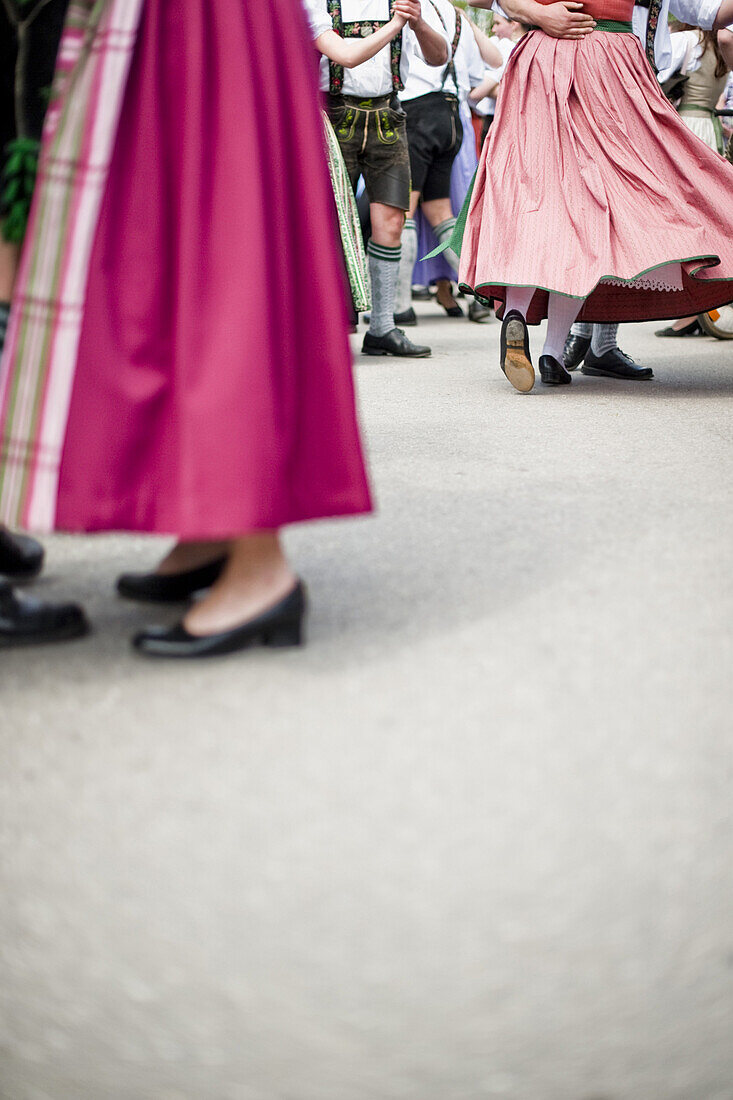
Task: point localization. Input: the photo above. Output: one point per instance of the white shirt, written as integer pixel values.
(423, 78)
(374, 77)
(698, 13)
(487, 106)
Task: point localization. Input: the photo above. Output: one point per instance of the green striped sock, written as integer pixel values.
(384, 269)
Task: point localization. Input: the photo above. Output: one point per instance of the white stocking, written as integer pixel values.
(519, 298)
(561, 313)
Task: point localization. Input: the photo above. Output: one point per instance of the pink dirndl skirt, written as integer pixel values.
(213, 392)
(591, 185)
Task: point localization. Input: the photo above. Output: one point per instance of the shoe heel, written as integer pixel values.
(284, 635)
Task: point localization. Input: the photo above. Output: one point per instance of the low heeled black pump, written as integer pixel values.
(21, 557)
(278, 627)
(552, 372)
(173, 588)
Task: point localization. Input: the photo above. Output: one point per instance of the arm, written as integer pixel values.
(725, 41)
(433, 46)
(564, 19)
(723, 19)
(355, 51)
(488, 87)
(489, 50)
(708, 14)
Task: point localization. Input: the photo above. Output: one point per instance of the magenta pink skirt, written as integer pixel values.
(214, 393)
(589, 174)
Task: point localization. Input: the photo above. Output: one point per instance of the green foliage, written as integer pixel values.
(477, 15)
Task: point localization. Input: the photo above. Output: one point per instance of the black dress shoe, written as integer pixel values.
(408, 318)
(553, 373)
(281, 626)
(575, 350)
(174, 588)
(21, 557)
(396, 343)
(693, 329)
(515, 359)
(27, 621)
(478, 312)
(616, 364)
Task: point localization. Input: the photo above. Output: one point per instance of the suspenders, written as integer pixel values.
(450, 69)
(655, 6)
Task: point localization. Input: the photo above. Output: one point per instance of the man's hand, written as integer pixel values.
(565, 19)
(409, 10)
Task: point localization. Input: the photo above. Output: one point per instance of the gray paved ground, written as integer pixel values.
(473, 842)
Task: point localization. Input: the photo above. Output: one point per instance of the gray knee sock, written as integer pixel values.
(403, 300)
(604, 339)
(582, 328)
(444, 232)
(384, 269)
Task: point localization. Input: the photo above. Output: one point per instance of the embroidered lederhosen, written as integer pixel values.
(362, 29)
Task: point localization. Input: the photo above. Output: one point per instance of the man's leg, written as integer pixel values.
(385, 164)
(403, 302)
(606, 359)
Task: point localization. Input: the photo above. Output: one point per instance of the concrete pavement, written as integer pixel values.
(473, 842)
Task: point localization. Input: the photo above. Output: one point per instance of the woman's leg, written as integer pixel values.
(256, 577)
(515, 360)
(561, 314)
(191, 555)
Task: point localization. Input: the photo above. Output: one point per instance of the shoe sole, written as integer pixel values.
(599, 373)
(551, 381)
(515, 360)
(69, 634)
(395, 355)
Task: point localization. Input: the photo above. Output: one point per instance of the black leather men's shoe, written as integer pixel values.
(515, 359)
(27, 621)
(616, 364)
(408, 318)
(280, 626)
(21, 557)
(174, 588)
(396, 343)
(575, 350)
(693, 329)
(553, 373)
(478, 312)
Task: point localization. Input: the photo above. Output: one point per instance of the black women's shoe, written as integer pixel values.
(21, 557)
(693, 329)
(395, 343)
(174, 588)
(281, 626)
(515, 358)
(553, 373)
(26, 621)
(575, 350)
(478, 312)
(616, 364)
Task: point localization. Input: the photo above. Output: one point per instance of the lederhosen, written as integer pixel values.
(371, 131)
(434, 128)
(30, 33)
